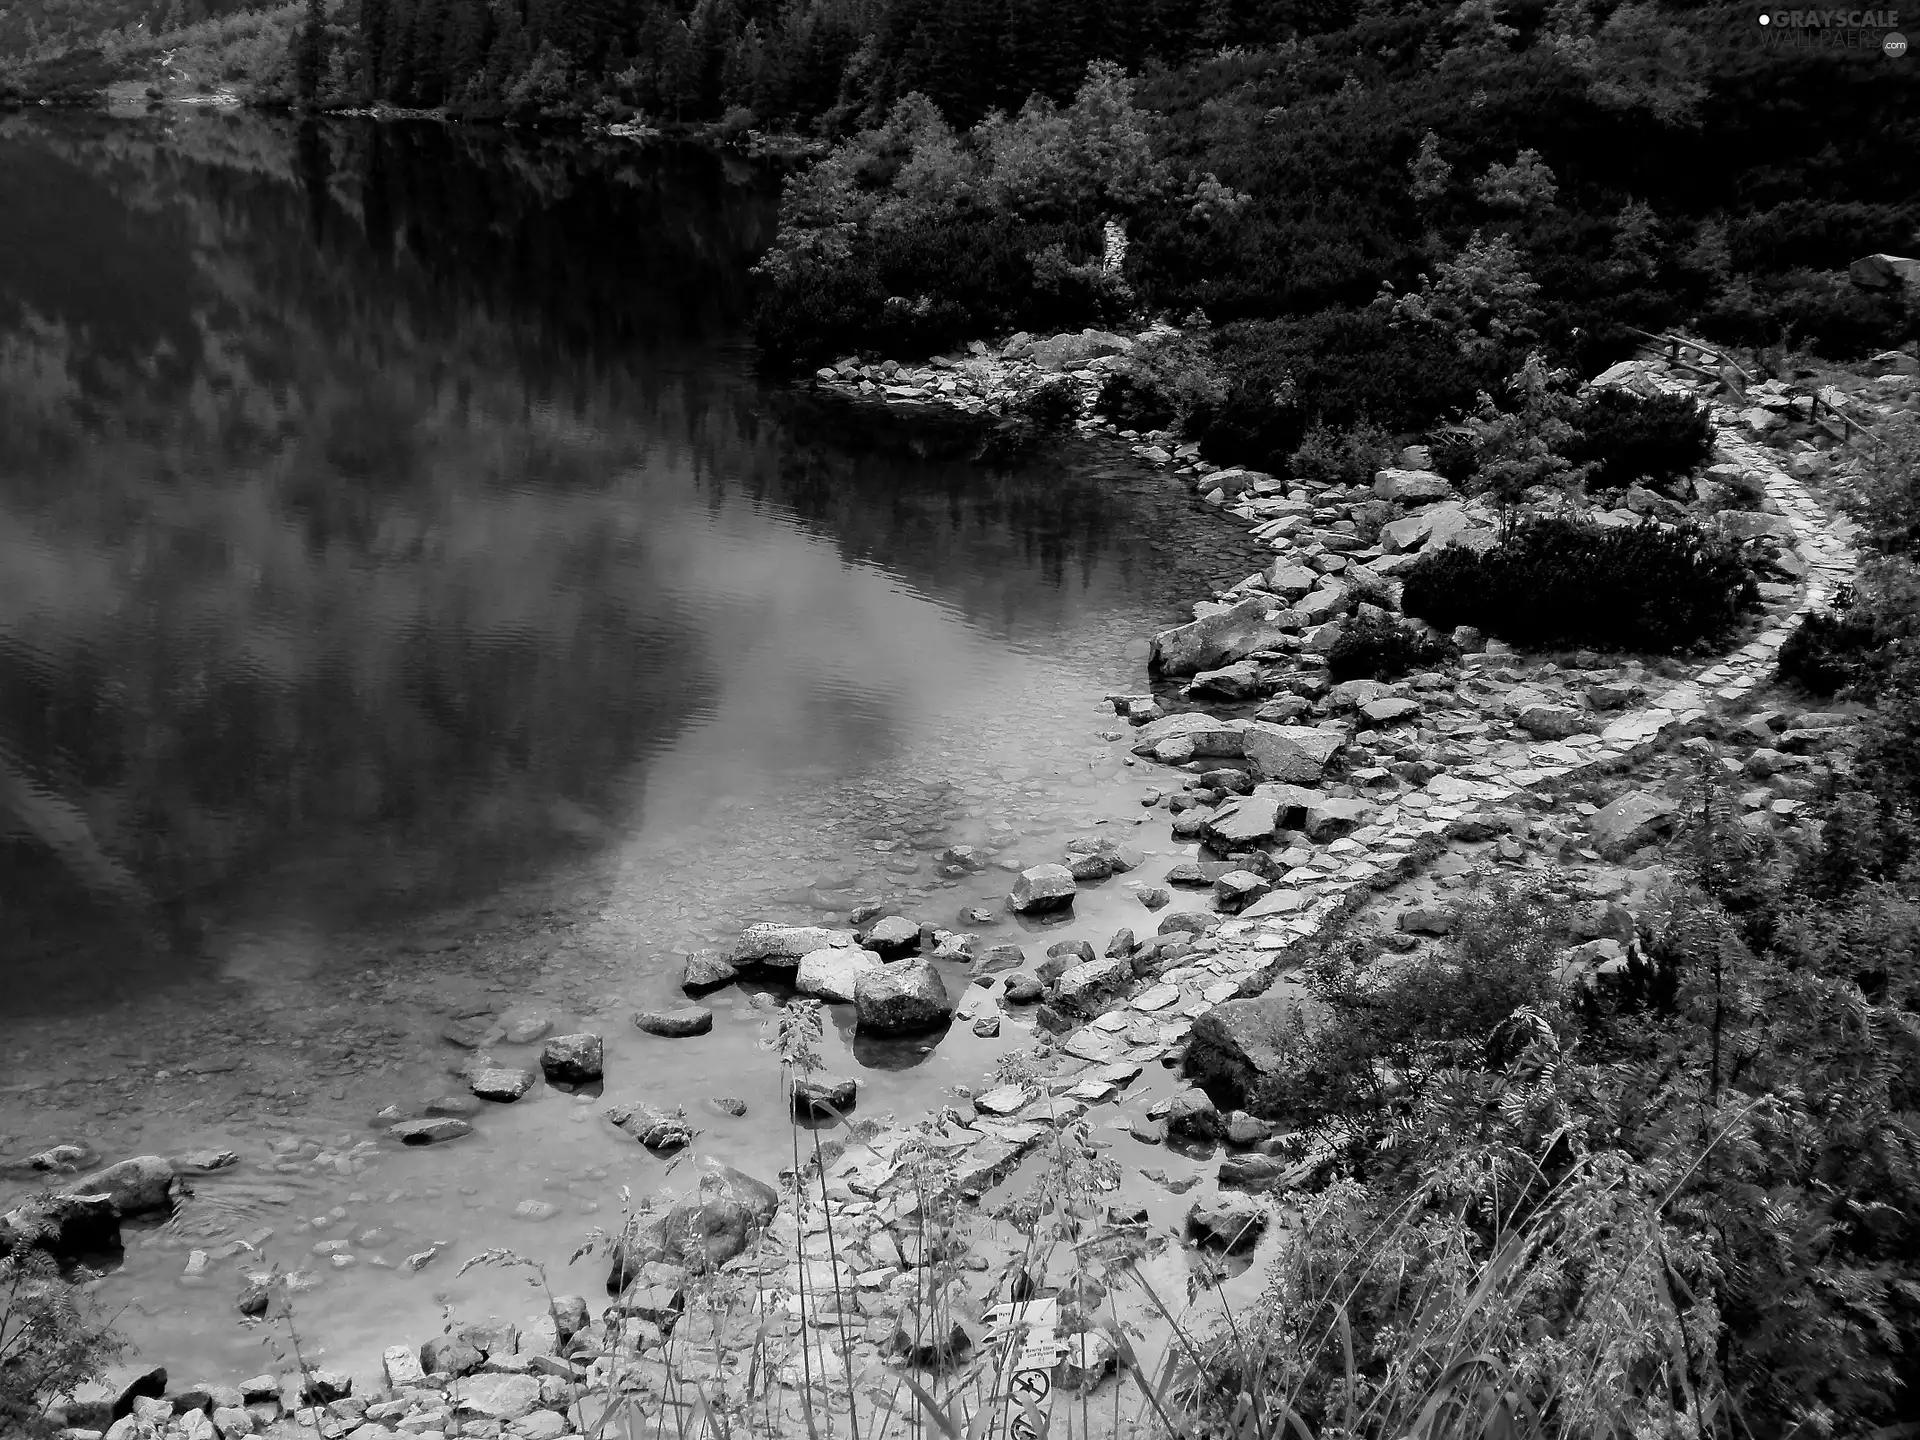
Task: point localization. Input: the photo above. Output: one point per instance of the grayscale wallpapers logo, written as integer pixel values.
(1834, 30)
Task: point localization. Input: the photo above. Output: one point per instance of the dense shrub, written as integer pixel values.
(1625, 437)
(1829, 649)
(1380, 647)
(1053, 404)
(1411, 1019)
(1163, 382)
(923, 286)
(1348, 456)
(1450, 451)
(1822, 311)
(1556, 582)
(1335, 368)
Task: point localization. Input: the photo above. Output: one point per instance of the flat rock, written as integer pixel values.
(675, 1024)
(1389, 711)
(501, 1084)
(833, 974)
(1042, 888)
(1238, 681)
(1206, 735)
(1292, 754)
(497, 1397)
(783, 946)
(431, 1131)
(1216, 640)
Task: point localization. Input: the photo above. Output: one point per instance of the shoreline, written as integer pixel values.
(1140, 1003)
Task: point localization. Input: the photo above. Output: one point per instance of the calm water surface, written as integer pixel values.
(412, 605)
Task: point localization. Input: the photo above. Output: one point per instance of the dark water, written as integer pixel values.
(411, 600)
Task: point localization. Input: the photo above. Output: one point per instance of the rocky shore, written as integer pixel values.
(1315, 806)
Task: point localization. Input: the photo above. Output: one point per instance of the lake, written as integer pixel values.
(415, 607)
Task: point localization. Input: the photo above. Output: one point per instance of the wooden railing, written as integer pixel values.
(1675, 345)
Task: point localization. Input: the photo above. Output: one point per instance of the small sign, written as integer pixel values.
(1026, 1376)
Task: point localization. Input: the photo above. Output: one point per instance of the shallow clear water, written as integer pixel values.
(412, 604)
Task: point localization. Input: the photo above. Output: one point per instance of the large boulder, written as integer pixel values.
(783, 946)
(1044, 887)
(1249, 819)
(1216, 640)
(1067, 352)
(1434, 526)
(834, 973)
(1412, 487)
(702, 1232)
(1207, 736)
(1884, 272)
(902, 998)
(144, 1185)
(1240, 1047)
(1638, 818)
(501, 1398)
(1293, 754)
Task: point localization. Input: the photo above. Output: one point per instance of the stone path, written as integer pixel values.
(1400, 838)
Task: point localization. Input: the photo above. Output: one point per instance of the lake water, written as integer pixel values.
(413, 605)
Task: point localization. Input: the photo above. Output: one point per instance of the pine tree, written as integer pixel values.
(372, 22)
(310, 60)
(679, 70)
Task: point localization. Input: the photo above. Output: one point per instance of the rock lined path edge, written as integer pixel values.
(1416, 837)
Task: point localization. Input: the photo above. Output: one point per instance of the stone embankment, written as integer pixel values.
(1328, 806)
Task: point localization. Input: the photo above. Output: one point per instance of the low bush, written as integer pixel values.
(1348, 456)
(1053, 404)
(920, 286)
(1556, 582)
(1450, 452)
(1164, 382)
(1626, 437)
(1335, 368)
(1379, 647)
(1829, 649)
